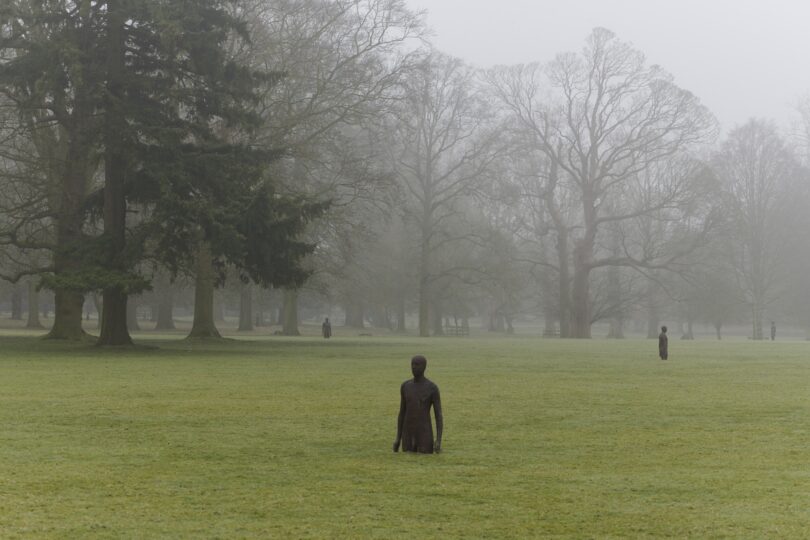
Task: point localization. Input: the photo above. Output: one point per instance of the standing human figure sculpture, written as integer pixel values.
(663, 344)
(773, 330)
(326, 328)
(417, 396)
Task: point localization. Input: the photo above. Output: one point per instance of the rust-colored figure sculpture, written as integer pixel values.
(417, 395)
(663, 343)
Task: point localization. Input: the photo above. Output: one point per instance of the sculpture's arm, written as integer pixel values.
(400, 418)
(437, 412)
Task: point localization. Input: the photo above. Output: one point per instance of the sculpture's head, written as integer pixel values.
(418, 365)
(664, 329)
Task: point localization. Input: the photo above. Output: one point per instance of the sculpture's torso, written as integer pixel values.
(417, 429)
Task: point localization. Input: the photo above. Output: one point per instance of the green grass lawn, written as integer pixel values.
(291, 438)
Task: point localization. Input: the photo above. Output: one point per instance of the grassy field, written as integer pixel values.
(291, 438)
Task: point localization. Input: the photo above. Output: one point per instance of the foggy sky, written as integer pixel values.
(742, 58)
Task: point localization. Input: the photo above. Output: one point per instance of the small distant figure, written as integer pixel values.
(773, 330)
(417, 396)
(663, 344)
(326, 328)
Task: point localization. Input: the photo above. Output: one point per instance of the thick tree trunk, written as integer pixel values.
(581, 303)
(69, 174)
(114, 329)
(67, 318)
(614, 298)
(69, 201)
(290, 313)
(33, 306)
(16, 304)
(246, 308)
(203, 325)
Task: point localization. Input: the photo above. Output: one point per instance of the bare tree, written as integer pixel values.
(757, 171)
(441, 150)
(606, 118)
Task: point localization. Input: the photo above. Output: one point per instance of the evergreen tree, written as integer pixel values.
(155, 94)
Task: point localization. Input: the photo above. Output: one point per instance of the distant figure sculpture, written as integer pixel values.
(326, 328)
(417, 395)
(773, 330)
(663, 343)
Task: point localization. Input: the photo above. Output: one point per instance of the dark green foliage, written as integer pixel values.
(174, 117)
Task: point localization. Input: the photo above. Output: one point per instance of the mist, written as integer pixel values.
(595, 169)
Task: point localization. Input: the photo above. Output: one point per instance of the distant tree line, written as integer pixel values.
(321, 151)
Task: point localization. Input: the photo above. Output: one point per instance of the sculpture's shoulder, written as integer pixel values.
(430, 384)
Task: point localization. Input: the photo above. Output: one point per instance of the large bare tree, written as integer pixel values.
(607, 119)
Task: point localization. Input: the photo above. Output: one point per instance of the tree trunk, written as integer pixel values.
(246, 308)
(33, 306)
(424, 309)
(436, 318)
(614, 297)
(581, 303)
(564, 283)
(203, 325)
(67, 316)
(114, 329)
(758, 313)
(290, 313)
(355, 315)
(69, 175)
(16, 304)
(401, 316)
(424, 278)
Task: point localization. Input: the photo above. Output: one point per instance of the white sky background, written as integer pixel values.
(742, 58)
